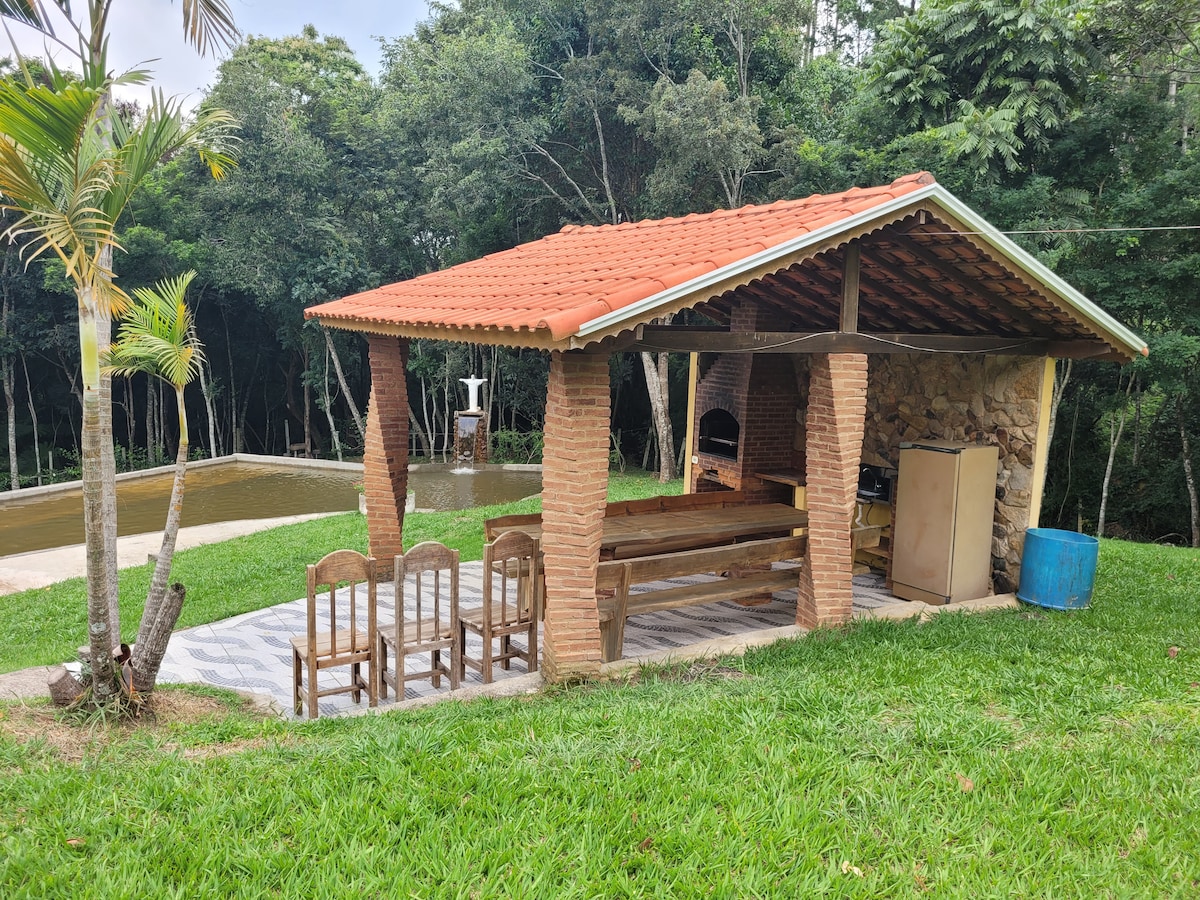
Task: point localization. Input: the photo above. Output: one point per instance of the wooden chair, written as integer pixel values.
(514, 609)
(428, 573)
(339, 646)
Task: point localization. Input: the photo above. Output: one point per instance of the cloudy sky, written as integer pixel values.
(148, 33)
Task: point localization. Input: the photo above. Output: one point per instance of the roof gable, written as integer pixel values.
(585, 283)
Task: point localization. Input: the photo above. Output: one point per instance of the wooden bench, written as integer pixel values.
(709, 499)
(618, 576)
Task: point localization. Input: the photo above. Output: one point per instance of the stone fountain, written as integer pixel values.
(470, 428)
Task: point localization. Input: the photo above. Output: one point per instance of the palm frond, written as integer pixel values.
(161, 132)
(208, 24)
(158, 335)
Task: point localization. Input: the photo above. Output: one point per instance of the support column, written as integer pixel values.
(574, 492)
(837, 403)
(385, 456)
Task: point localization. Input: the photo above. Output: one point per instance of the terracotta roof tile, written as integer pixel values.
(585, 271)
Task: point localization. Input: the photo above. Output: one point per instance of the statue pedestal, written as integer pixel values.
(470, 438)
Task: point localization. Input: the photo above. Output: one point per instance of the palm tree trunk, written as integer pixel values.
(100, 602)
(152, 633)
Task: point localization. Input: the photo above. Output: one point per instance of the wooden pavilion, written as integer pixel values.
(843, 324)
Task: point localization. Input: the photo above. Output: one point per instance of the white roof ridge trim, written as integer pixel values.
(1006, 247)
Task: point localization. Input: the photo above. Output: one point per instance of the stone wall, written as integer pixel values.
(984, 399)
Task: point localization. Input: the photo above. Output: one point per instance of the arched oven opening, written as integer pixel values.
(719, 434)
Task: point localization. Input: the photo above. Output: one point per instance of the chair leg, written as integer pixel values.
(356, 682)
(487, 659)
(297, 680)
(532, 646)
(435, 666)
(506, 652)
(456, 664)
(312, 688)
(379, 668)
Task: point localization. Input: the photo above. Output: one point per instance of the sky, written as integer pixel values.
(149, 34)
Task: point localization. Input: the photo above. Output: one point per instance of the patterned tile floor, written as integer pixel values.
(252, 652)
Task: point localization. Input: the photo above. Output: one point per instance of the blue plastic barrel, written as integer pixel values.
(1058, 568)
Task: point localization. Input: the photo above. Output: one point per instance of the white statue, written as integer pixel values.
(473, 392)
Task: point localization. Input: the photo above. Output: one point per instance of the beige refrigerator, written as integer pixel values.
(942, 522)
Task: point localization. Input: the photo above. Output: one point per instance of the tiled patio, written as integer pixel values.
(252, 652)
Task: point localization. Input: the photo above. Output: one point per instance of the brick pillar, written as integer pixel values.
(837, 403)
(385, 457)
(574, 491)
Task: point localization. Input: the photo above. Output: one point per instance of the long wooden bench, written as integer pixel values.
(619, 575)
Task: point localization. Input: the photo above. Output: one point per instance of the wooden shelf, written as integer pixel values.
(793, 477)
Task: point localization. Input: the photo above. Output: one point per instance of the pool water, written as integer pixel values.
(229, 491)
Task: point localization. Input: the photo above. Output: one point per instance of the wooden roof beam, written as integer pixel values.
(710, 339)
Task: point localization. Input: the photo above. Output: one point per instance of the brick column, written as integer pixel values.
(385, 457)
(574, 492)
(837, 402)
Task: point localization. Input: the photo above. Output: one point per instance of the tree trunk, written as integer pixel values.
(108, 462)
(341, 377)
(658, 388)
(421, 435)
(210, 411)
(7, 371)
(37, 449)
(153, 632)
(308, 441)
(1062, 377)
(148, 661)
(100, 602)
(328, 404)
(151, 438)
(1189, 475)
(1116, 426)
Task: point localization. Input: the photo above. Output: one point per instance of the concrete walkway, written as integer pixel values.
(43, 568)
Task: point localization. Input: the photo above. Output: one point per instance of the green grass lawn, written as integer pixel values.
(45, 626)
(1021, 753)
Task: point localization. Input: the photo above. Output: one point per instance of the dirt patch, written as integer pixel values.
(687, 673)
(70, 739)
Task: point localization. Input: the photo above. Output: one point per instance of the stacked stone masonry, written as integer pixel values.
(984, 399)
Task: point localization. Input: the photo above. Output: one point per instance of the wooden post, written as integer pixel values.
(850, 265)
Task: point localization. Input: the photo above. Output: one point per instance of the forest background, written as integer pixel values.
(1069, 125)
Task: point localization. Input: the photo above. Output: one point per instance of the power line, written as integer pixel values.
(1070, 230)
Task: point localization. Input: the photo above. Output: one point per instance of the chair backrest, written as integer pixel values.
(511, 559)
(356, 573)
(428, 576)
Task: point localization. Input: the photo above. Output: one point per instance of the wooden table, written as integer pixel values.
(684, 529)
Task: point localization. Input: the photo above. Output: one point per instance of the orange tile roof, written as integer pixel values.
(582, 272)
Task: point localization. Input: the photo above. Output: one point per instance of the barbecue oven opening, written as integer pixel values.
(719, 432)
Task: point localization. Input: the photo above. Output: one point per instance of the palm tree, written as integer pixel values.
(158, 337)
(68, 166)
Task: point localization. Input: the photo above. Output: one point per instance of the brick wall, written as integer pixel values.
(574, 492)
(760, 391)
(834, 430)
(385, 457)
